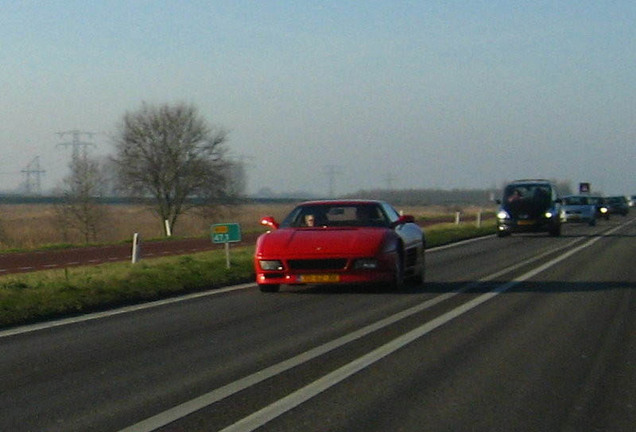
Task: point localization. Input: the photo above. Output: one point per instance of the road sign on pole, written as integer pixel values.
(226, 233)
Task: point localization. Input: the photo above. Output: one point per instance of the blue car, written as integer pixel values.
(578, 208)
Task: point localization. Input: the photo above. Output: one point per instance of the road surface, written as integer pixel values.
(525, 333)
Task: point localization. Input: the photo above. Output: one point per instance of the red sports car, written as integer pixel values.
(341, 242)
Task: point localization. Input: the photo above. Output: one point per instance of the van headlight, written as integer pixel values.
(503, 215)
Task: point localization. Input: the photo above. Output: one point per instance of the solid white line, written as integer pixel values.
(120, 311)
(216, 395)
(180, 411)
(296, 398)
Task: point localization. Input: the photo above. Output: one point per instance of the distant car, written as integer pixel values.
(340, 242)
(632, 200)
(617, 205)
(602, 211)
(578, 208)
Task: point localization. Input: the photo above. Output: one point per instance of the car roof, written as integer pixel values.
(526, 181)
(342, 202)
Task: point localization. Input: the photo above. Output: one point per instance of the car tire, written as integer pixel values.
(555, 231)
(419, 277)
(269, 288)
(398, 275)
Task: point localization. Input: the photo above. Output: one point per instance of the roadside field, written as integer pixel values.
(29, 226)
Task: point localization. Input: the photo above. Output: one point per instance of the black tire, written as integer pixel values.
(556, 230)
(398, 275)
(269, 288)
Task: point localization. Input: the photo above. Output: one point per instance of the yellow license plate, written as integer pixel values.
(526, 222)
(319, 278)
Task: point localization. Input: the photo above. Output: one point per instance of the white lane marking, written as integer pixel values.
(120, 311)
(216, 395)
(173, 414)
(296, 398)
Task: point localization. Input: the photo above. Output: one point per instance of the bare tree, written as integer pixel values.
(169, 152)
(80, 209)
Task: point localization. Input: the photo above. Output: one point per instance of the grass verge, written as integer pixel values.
(32, 297)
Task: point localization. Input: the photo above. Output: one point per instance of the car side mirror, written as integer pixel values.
(404, 220)
(270, 222)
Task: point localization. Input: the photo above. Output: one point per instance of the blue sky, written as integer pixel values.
(412, 94)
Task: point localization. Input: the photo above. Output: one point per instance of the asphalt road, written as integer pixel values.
(526, 333)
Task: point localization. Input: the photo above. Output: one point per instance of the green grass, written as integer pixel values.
(442, 234)
(32, 297)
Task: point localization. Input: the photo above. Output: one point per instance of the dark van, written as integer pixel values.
(529, 206)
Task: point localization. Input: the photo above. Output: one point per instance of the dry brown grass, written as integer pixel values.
(27, 226)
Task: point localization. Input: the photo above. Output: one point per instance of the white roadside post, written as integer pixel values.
(457, 216)
(136, 247)
(479, 218)
(168, 230)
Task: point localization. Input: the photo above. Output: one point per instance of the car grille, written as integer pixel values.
(318, 264)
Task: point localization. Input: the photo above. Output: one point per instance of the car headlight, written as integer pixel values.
(366, 264)
(271, 265)
(503, 215)
(603, 209)
(549, 215)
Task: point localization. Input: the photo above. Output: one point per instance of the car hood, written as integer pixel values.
(322, 242)
(526, 209)
(579, 207)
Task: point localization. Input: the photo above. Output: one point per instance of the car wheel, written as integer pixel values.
(418, 278)
(398, 275)
(555, 231)
(269, 288)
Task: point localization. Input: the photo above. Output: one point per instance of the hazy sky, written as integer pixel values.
(408, 94)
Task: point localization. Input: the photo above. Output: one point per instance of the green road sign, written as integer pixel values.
(226, 233)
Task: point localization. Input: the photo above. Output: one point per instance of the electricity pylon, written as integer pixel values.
(33, 172)
(76, 143)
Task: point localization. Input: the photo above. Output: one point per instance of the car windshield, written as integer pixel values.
(538, 193)
(337, 215)
(576, 200)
